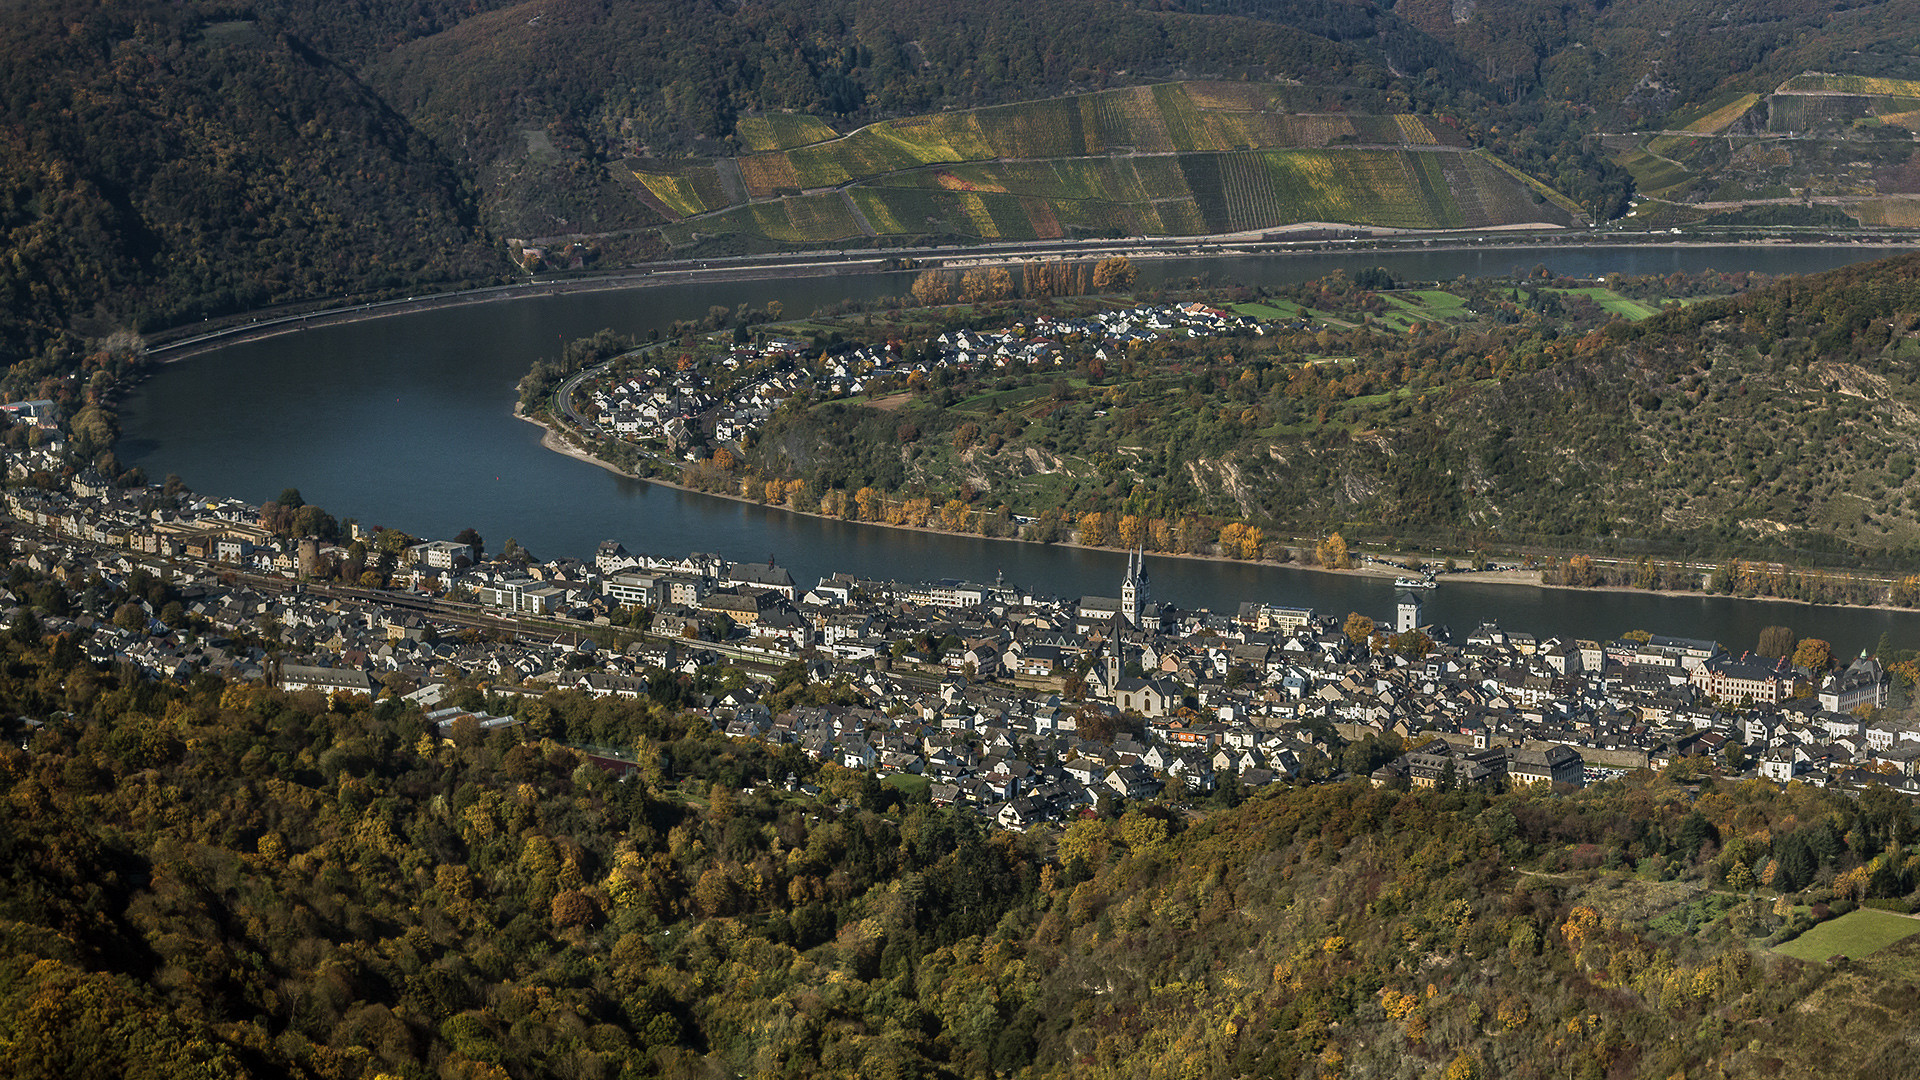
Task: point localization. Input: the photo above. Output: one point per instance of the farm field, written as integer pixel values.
(1653, 174)
(1855, 934)
(1716, 115)
(781, 131)
(1849, 84)
(1175, 159)
(1168, 118)
(1896, 213)
(1178, 195)
(694, 190)
(807, 219)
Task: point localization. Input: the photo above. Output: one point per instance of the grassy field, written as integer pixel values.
(1273, 309)
(907, 783)
(1855, 934)
(1613, 303)
(1422, 306)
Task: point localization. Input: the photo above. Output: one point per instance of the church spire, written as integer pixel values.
(1135, 593)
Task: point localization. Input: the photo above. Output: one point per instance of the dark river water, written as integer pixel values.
(406, 422)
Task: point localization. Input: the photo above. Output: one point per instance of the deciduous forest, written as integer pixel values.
(219, 880)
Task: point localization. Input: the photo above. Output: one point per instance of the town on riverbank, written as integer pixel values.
(1041, 419)
(1026, 707)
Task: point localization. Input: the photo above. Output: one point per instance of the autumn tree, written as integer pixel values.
(1113, 274)
(1232, 535)
(1580, 572)
(571, 907)
(1332, 553)
(1813, 654)
(931, 287)
(1358, 628)
(1093, 529)
(1906, 591)
(1776, 642)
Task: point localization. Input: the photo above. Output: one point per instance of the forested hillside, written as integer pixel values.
(1775, 422)
(168, 162)
(215, 880)
(163, 162)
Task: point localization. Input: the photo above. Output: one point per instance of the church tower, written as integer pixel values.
(1136, 593)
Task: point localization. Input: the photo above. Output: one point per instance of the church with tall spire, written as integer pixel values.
(1136, 592)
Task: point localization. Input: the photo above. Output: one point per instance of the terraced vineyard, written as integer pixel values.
(808, 219)
(781, 131)
(693, 190)
(1722, 116)
(1817, 83)
(1839, 143)
(1172, 159)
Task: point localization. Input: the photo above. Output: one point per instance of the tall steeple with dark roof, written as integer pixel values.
(1136, 592)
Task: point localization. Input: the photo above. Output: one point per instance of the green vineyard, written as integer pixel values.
(781, 131)
(694, 190)
(1179, 159)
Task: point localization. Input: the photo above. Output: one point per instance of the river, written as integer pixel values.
(405, 421)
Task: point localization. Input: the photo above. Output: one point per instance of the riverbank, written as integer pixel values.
(556, 440)
(1383, 567)
(232, 330)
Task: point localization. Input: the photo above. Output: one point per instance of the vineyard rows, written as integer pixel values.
(1185, 195)
(781, 131)
(684, 194)
(1851, 84)
(1247, 159)
(1721, 117)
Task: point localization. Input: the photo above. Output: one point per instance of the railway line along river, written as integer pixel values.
(407, 421)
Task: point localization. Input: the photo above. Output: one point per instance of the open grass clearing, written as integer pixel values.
(1271, 309)
(1613, 303)
(1420, 306)
(1004, 399)
(1855, 934)
(907, 783)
